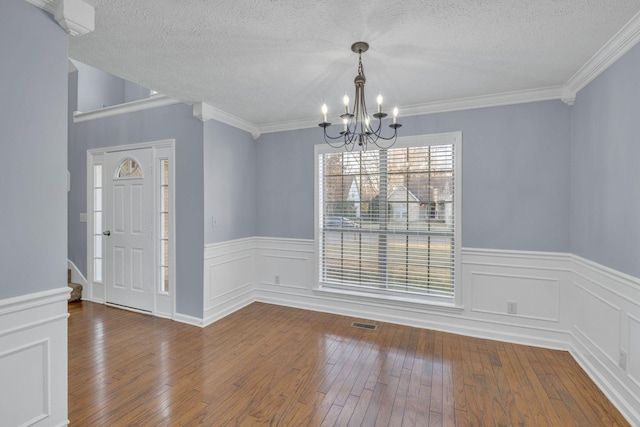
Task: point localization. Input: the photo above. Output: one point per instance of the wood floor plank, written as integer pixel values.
(437, 376)
(458, 375)
(448, 390)
(279, 366)
(360, 410)
(543, 403)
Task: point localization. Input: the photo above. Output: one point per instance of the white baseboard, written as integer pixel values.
(556, 340)
(224, 309)
(33, 358)
(189, 320)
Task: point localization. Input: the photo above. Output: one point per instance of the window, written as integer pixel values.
(97, 222)
(129, 168)
(388, 220)
(164, 226)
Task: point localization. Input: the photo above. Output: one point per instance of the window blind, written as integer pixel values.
(387, 220)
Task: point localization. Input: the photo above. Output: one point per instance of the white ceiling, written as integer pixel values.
(275, 62)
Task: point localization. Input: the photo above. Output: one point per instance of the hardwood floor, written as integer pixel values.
(275, 365)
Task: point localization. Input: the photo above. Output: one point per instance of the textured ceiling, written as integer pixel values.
(272, 62)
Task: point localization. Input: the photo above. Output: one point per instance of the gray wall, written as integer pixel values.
(134, 92)
(515, 176)
(605, 173)
(172, 122)
(98, 89)
(33, 138)
(229, 183)
(284, 177)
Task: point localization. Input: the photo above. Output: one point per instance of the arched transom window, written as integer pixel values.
(129, 168)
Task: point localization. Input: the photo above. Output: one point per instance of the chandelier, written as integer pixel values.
(357, 127)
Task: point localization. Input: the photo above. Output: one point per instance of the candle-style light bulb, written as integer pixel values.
(345, 99)
(395, 115)
(379, 99)
(324, 113)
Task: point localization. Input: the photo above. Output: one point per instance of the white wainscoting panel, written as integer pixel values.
(536, 282)
(606, 311)
(33, 386)
(633, 361)
(534, 297)
(33, 359)
(285, 263)
(598, 321)
(229, 277)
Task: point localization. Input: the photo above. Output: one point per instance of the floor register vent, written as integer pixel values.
(364, 326)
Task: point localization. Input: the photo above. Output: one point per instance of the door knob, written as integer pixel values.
(107, 233)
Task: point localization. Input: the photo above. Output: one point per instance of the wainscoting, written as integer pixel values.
(553, 300)
(33, 359)
(229, 277)
(605, 332)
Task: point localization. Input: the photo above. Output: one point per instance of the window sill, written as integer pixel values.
(391, 300)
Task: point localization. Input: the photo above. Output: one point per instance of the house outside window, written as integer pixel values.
(388, 221)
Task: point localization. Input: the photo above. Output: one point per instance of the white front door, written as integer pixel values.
(128, 229)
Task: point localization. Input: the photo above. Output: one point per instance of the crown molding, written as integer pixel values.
(483, 101)
(568, 95)
(154, 101)
(618, 45)
(292, 125)
(204, 112)
(47, 5)
(76, 17)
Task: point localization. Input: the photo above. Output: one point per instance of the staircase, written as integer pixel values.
(76, 288)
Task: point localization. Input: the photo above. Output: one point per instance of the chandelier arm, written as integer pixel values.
(333, 145)
(386, 146)
(349, 147)
(389, 138)
(326, 135)
(332, 137)
(378, 129)
(348, 140)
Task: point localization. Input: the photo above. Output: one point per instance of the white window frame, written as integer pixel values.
(453, 138)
